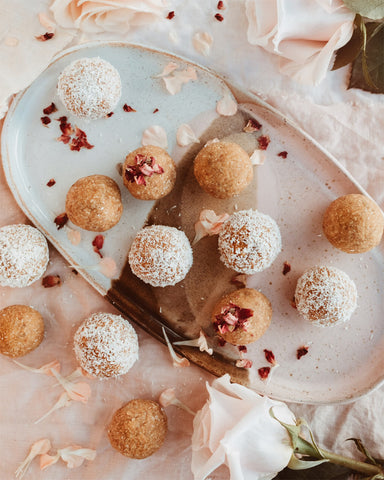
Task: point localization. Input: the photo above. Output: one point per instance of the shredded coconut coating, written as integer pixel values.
(249, 241)
(160, 255)
(106, 345)
(325, 296)
(24, 255)
(89, 87)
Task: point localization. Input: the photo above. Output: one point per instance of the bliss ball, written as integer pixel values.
(160, 255)
(106, 345)
(249, 241)
(138, 429)
(353, 223)
(223, 169)
(242, 317)
(21, 330)
(89, 88)
(325, 296)
(94, 203)
(149, 173)
(24, 255)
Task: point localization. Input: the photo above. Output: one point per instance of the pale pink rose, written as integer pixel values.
(107, 15)
(305, 34)
(235, 428)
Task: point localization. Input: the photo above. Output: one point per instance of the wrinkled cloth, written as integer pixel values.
(349, 123)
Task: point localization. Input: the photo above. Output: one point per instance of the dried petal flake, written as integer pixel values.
(202, 43)
(301, 352)
(51, 182)
(145, 166)
(50, 281)
(186, 136)
(263, 142)
(61, 220)
(252, 126)
(208, 224)
(257, 157)
(226, 106)
(270, 357)
(286, 268)
(244, 363)
(231, 318)
(46, 36)
(98, 243)
(264, 372)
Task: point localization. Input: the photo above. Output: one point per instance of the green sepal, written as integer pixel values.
(298, 464)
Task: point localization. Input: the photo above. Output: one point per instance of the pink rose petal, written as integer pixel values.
(185, 136)
(209, 224)
(169, 68)
(257, 157)
(178, 78)
(79, 392)
(202, 42)
(226, 106)
(74, 236)
(48, 460)
(108, 267)
(156, 136)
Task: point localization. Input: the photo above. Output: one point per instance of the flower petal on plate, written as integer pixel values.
(185, 135)
(108, 267)
(74, 236)
(208, 224)
(169, 68)
(48, 460)
(174, 82)
(156, 136)
(257, 157)
(226, 106)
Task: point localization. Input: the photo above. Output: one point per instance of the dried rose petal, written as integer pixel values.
(45, 120)
(128, 108)
(155, 110)
(226, 106)
(51, 182)
(283, 154)
(144, 167)
(244, 363)
(50, 109)
(286, 268)
(80, 141)
(65, 127)
(170, 15)
(263, 141)
(64, 138)
(220, 5)
(293, 303)
(51, 281)
(242, 348)
(270, 357)
(231, 318)
(46, 36)
(109, 115)
(252, 126)
(219, 17)
(264, 372)
(301, 352)
(61, 220)
(98, 243)
(221, 342)
(208, 224)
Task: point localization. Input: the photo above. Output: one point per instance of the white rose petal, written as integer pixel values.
(155, 135)
(226, 106)
(185, 136)
(202, 42)
(169, 68)
(235, 428)
(257, 157)
(174, 82)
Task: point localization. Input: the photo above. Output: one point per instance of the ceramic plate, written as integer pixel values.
(343, 362)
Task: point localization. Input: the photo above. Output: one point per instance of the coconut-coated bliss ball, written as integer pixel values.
(149, 173)
(94, 203)
(249, 241)
(353, 223)
(21, 330)
(89, 88)
(223, 169)
(242, 317)
(138, 429)
(160, 255)
(106, 345)
(325, 296)
(24, 255)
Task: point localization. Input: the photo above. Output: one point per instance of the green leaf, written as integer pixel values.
(298, 464)
(373, 9)
(351, 50)
(368, 68)
(360, 446)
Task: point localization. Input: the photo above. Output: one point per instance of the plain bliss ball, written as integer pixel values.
(24, 255)
(353, 223)
(242, 317)
(21, 330)
(249, 241)
(223, 169)
(89, 88)
(149, 173)
(94, 203)
(160, 255)
(325, 296)
(138, 429)
(106, 345)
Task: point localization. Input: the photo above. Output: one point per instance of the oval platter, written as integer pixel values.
(343, 362)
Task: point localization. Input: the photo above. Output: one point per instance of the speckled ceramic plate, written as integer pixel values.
(343, 362)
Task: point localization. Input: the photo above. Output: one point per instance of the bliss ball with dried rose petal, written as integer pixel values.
(249, 241)
(21, 330)
(94, 203)
(138, 429)
(325, 296)
(353, 223)
(89, 88)
(24, 255)
(242, 317)
(106, 345)
(160, 255)
(223, 169)
(149, 173)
